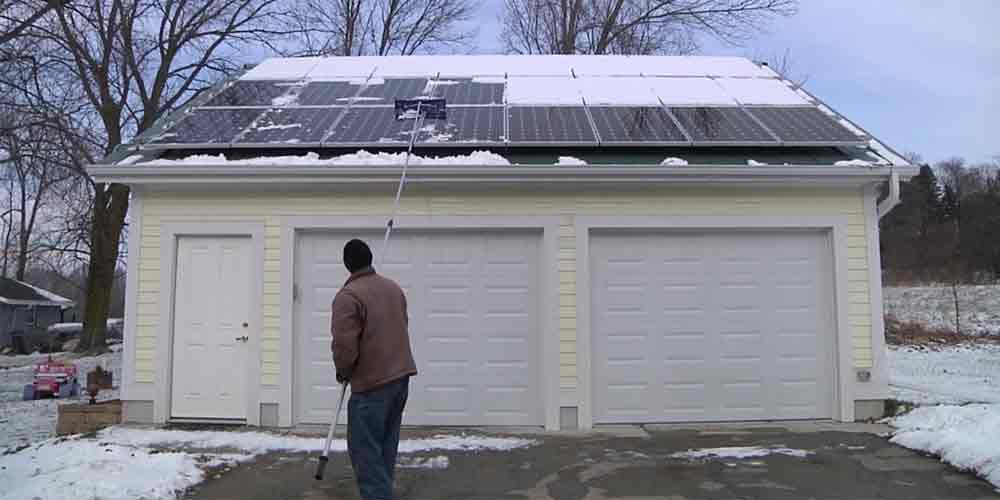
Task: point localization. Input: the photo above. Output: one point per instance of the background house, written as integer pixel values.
(26, 311)
(647, 239)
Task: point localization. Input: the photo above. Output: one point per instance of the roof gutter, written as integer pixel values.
(187, 174)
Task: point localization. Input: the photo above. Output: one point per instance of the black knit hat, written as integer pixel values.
(357, 255)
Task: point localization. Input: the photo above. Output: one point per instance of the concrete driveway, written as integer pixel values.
(814, 460)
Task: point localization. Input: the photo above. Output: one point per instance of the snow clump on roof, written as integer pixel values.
(674, 162)
(360, 158)
(570, 160)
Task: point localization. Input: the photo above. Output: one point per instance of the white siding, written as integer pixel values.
(161, 207)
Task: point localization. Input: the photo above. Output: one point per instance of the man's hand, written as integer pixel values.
(342, 379)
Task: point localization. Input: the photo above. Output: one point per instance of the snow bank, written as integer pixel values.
(945, 375)
(674, 162)
(569, 160)
(262, 442)
(79, 468)
(754, 163)
(739, 452)
(967, 437)
(354, 159)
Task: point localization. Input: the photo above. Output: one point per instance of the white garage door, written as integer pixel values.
(473, 304)
(717, 326)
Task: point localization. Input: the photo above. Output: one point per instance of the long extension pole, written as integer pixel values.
(325, 457)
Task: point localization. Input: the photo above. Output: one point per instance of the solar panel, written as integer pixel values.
(552, 125)
(804, 124)
(251, 93)
(291, 126)
(635, 124)
(390, 89)
(465, 125)
(721, 125)
(327, 93)
(465, 91)
(369, 125)
(208, 126)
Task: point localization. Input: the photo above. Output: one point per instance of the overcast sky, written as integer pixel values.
(922, 75)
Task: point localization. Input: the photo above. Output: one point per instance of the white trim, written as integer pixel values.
(170, 232)
(130, 329)
(478, 174)
(878, 386)
(549, 288)
(836, 225)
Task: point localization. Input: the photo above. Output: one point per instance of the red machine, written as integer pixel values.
(53, 378)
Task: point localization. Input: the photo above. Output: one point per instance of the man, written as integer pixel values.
(371, 349)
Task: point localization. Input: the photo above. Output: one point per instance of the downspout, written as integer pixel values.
(892, 200)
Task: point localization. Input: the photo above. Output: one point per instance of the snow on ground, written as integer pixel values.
(934, 306)
(958, 374)
(967, 437)
(739, 452)
(262, 442)
(24, 422)
(360, 158)
(126, 463)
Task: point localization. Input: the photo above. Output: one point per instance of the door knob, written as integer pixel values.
(242, 339)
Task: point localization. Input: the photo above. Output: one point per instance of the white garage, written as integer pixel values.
(712, 326)
(702, 247)
(474, 324)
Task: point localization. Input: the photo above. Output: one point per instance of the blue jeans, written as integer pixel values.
(373, 420)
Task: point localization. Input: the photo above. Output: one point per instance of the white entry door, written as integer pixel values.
(712, 326)
(211, 314)
(474, 328)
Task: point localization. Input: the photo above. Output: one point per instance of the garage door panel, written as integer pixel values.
(474, 327)
(740, 320)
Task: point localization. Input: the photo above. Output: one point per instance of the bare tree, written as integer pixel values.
(16, 16)
(384, 27)
(784, 65)
(107, 70)
(35, 170)
(631, 26)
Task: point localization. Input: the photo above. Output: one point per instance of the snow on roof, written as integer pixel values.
(360, 158)
(503, 65)
(20, 293)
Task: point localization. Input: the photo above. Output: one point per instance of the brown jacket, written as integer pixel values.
(371, 344)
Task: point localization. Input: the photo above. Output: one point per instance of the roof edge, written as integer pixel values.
(456, 174)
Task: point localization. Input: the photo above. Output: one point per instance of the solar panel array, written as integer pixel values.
(355, 111)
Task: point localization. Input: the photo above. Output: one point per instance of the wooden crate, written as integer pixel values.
(82, 418)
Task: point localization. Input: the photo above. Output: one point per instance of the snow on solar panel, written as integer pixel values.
(504, 65)
(388, 90)
(761, 91)
(327, 93)
(465, 125)
(370, 125)
(804, 124)
(244, 93)
(635, 124)
(208, 126)
(466, 91)
(721, 125)
(550, 125)
(291, 126)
